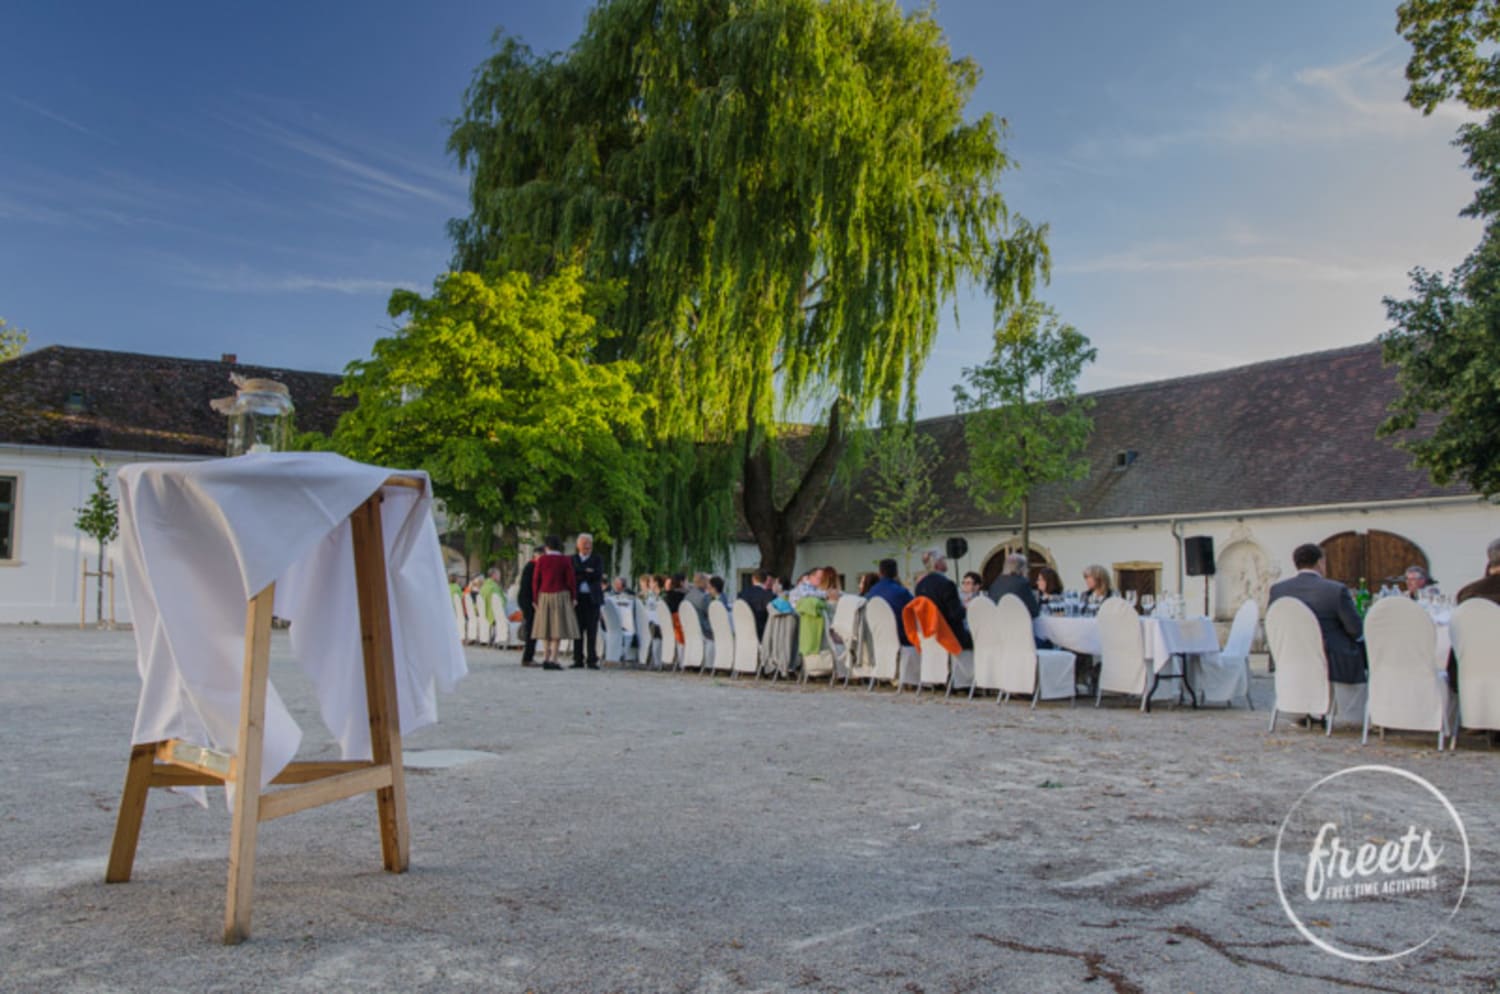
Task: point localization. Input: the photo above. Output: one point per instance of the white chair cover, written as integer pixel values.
(984, 626)
(893, 661)
(1296, 644)
(499, 622)
(667, 655)
(460, 616)
(484, 632)
(721, 656)
(1123, 668)
(1231, 677)
(696, 650)
(647, 647)
(852, 650)
(1406, 690)
(1045, 674)
(471, 617)
(746, 645)
(1475, 625)
(618, 645)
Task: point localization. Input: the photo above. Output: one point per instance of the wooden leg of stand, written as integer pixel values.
(132, 810)
(245, 784)
(380, 681)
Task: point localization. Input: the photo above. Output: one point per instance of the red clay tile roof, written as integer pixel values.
(1286, 433)
(140, 403)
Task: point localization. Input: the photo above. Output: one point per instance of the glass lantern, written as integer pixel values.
(260, 416)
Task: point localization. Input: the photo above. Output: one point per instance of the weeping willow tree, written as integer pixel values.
(788, 189)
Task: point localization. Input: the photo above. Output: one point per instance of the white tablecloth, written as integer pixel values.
(1163, 639)
(625, 606)
(200, 539)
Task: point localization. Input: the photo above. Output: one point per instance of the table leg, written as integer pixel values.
(245, 782)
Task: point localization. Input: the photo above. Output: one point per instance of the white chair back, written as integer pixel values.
(692, 637)
(1242, 631)
(614, 633)
(1122, 668)
(1016, 658)
(724, 640)
(934, 660)
(1406, 688)
(647, 648)
(849, 625)
(475, 616)
(668, 654)
(985, 625)
(460, 617)
(885, 640)
(1296, 645)
(746, 645)
(499, 621)
(1475, 626)
(846, 617)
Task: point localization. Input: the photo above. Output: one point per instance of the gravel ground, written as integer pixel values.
(629, 831)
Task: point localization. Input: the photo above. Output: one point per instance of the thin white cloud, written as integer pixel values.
(246, 279)
(54, 116)
(1272, 266)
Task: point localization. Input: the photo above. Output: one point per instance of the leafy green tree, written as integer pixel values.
(1445, 338)
(12, 341)
(99, 519)
(490, 387)
(1026, 424)
(904, 503)
(788, 190)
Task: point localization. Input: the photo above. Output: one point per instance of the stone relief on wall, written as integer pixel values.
(1245, 572)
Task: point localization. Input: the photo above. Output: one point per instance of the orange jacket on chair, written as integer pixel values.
(921, 618)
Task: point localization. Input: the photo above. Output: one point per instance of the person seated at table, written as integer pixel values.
(1417, 580)
(1487, 587)
(1096, 585)
(618, 588)
(1049, 585)
(937, 587)
(828, 585)
(759, 596)
(971, 584)
(1333, 606)
(866, 581)
(1012, 580)
(889, 589)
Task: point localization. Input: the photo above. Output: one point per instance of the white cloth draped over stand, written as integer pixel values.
(200, 539)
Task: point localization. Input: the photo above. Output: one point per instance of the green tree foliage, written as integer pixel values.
(1026, 424)
(904, 504)
(1445, 338)
(12, 340)
(99, 519)
(788, 189)
(489, 386)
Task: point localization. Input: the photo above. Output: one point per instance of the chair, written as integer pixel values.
(893, 661)
(1476, 642)
(484, 631)
(1406, 690)
(648, 647)
(619, 646)
(746, 645)
(1236, 653)
(697, 651)
(473, 618)
(460, 616)
(1122, 655)
(722, 657)
(1022, 668)
(935, 660)
(666, 658)
(984, 626)
(500, 619)
(1296, 643)
(848, 626)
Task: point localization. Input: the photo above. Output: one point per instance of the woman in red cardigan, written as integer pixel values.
(555, 592)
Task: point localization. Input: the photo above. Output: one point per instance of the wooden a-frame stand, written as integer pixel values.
(174, 763)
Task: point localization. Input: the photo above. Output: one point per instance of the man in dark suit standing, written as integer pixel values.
(1333, 606)
(588, 567)
(758, 595)
(943, 592)
(1012, 580)
(527, 604)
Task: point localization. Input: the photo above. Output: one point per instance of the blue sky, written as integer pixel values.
(1225, 182)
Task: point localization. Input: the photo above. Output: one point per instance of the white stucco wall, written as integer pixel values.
(1452, 532)
(41, 582)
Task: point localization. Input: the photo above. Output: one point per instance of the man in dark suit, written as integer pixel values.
(758, 595)
(1486, 587)
(528, 608)
(889, 589)
(588, 567)
(943, 592)
(1012, 580)
(1333, 606)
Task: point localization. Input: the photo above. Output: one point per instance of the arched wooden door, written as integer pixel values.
(993, 565)
(1375, 557)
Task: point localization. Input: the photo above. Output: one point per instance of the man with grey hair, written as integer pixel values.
(698, 596)
(1487, 587)
(588, 570)
(939, 588)
(1012, 580)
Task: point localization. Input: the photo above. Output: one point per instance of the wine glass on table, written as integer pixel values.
(1130, 598)
(1148, 601)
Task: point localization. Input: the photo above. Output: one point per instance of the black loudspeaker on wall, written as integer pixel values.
(958, 547)
(1198, 550)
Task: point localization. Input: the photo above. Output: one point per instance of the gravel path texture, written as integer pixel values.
(635, 831)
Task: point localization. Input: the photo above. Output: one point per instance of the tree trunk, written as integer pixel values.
(1026, 530)
(99, 592)
(778, 530)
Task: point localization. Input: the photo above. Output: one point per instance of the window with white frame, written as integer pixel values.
(8, 495)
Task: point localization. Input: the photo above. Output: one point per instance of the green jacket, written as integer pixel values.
(485, 589)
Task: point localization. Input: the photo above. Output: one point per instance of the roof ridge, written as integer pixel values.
(166, 358)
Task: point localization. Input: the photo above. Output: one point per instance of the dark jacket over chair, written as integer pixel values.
(897, 597)
(1333, 606)
(1011, 583)
(943, 592)
(759, 599)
